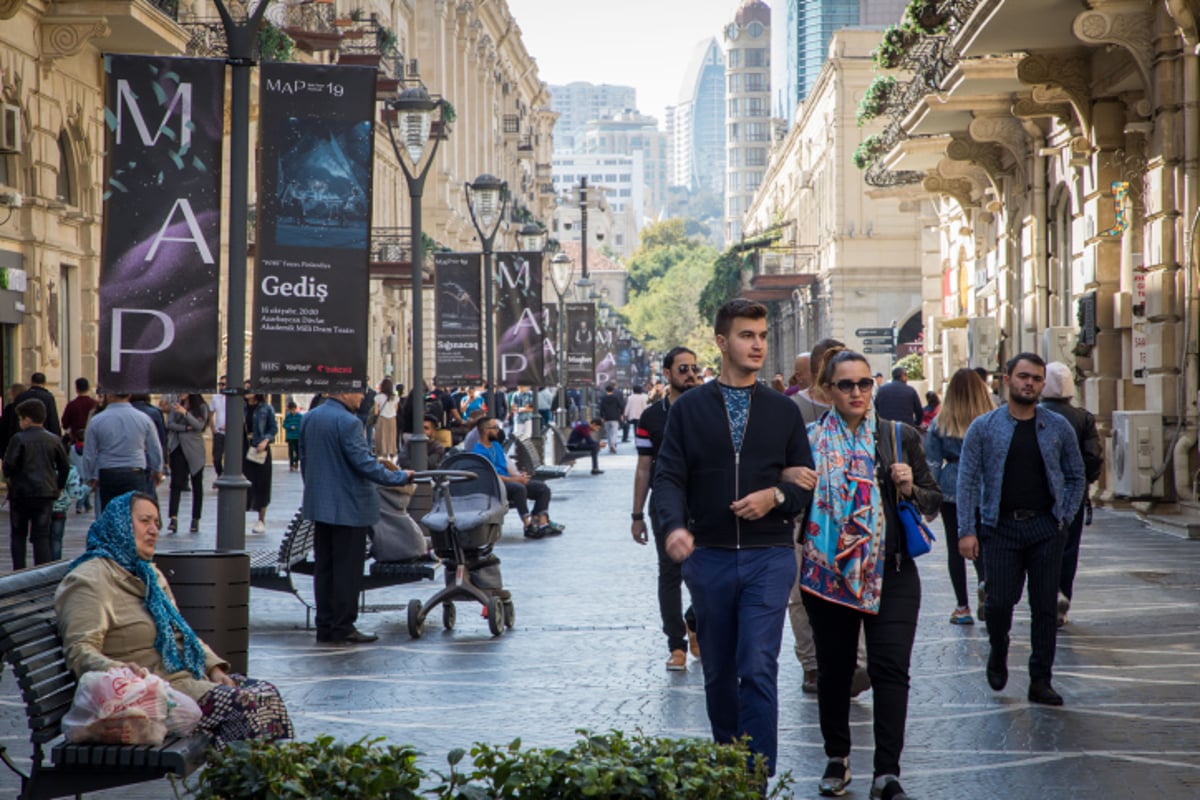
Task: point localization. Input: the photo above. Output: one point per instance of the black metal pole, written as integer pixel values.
(232, 485)
(489, 387)
(583, 248)
(418, 444)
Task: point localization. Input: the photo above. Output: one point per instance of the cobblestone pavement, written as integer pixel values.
(586, 652)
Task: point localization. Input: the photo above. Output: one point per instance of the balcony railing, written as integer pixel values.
(391, 245)
(310, 16)
(207, 38)
(168, 7)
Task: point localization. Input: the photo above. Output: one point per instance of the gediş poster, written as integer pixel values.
(581, 344)
(159, 280)
(458, 318)
(519, 327)
(313, 246)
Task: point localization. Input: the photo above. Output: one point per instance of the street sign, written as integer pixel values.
(877, 340)
(874, 332)
(877, 350)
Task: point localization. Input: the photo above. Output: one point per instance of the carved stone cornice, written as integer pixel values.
(9, 8)
(985, 155)
(957, 188)
(1186, 14)
(1008, 132)
(1028, 108)
(1129, 26)
(66, 36)
(1057, 78)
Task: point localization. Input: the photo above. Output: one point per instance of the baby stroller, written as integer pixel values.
(469, 505)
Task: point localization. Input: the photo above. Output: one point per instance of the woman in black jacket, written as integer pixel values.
(856, 570)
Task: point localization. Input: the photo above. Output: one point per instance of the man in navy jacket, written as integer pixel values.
(730, 515)
(340, 498)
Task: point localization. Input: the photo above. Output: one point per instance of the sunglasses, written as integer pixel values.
(684, 369)
(865, 385)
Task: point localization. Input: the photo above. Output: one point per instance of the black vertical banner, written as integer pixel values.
(519, 329)
(581, 344)
(159, 280)
(624, 362)
(457, 312)
(550, 362)
(606, 356)
(314, 195)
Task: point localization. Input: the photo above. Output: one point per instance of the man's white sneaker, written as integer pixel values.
(259, 527)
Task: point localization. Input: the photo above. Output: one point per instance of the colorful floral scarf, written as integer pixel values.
(111, 537)
(843, 542)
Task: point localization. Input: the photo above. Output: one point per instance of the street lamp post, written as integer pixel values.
(561, 270)
(413, 115)
(240, 36)
(487, 197)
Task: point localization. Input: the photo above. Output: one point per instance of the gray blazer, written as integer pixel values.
(186, 431)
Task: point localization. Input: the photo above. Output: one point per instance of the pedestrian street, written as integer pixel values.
(586, 652)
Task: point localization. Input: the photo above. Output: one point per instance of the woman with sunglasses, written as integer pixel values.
(855, 569)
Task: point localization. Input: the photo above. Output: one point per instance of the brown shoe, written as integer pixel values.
(810, 682)
(693, 642)
(677, 662)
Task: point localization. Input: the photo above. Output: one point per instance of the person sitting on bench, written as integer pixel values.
(115, 609)
(584, 439)
(520, 487)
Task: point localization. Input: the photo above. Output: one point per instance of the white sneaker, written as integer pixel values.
(259, 527)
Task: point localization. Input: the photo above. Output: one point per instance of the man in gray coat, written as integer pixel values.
(340, 498)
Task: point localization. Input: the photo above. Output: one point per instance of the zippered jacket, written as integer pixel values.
(698, 475)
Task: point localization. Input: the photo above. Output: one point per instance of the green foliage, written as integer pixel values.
(611, 765)
(725, 284)
(914, 366)
(924, 15)
(449, 114)
(875, 100)
(386, 41)
(868, 150)
(897, 39)
(274, 44)
(257, 770)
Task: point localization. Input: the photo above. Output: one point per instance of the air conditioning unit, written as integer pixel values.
(1137, 450)
(10, 128)
(954, 350)
(1059, 344)
(983, 343)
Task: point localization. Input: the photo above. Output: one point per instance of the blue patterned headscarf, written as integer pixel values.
(111, 537)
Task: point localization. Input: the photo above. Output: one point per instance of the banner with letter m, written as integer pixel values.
(159, 273)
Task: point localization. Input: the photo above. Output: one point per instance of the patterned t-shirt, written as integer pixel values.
(737, 408)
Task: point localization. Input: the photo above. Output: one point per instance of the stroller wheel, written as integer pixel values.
(510, 614)
(416, 623)
(449, 615)
(495, 615)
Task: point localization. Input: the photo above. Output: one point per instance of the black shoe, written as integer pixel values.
(195, 526)
(836, 778)
(535, 532)
(860, 682)
(997, 668)
(358, 637)
(890, 789)
(597, 472)
(1042, 692)
(173, 525)
(810, 682)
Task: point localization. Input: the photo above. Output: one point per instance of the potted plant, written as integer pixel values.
(274, 44)
(386, 41)
(897, 39)
(876, 99)
(868, 150)
(927, 16)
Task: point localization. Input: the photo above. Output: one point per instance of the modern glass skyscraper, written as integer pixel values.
(696, 125)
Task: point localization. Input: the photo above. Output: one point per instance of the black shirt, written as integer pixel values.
(651, 424)
(1025, 484)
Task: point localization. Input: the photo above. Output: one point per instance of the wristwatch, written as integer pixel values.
(638, 516)
(780, 497)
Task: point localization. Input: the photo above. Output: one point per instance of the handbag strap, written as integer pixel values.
(896, 442)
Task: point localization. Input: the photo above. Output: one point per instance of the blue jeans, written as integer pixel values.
(740, 598)
(58, 526)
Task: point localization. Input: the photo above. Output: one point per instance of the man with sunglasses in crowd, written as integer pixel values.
(681, 372)
(520, 487)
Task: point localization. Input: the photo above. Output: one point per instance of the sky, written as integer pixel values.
(641, 43)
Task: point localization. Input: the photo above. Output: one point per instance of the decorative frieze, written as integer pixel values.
(1129, 26)
(9, 8)
(66, 36)
(1058, 78)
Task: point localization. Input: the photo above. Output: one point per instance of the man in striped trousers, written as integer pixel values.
(1025, 508)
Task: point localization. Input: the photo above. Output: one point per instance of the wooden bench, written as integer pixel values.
(30, 644)
(529, 461)
(562, 455)
(272, 569)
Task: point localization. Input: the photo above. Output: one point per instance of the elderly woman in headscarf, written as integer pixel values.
(116, 609)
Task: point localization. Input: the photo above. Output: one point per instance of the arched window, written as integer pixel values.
(66, 186)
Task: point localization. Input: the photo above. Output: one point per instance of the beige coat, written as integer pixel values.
(103, 622)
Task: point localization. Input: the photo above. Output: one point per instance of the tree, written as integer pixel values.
(663, 245)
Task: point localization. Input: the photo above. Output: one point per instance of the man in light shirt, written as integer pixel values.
(218, 427)
(120, 450)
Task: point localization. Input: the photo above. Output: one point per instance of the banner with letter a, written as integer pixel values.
(161, 243)
(581, 344)
(311, 278)
(459, 319)
(519, 328)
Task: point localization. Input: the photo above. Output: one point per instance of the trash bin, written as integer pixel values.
(212, 589)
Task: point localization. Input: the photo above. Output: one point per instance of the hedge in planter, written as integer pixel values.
(867, 151)
(897, 40)
(876, 99)
(926, 16)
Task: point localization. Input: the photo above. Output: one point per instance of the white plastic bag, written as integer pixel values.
(121, 707)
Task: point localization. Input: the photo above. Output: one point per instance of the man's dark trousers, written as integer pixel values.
(741, 597)
(1011, 550)
(29, 519)
(339, 552)
(115, 482)
(218, 453)
(590, 446)
(1070, 560)
(670, 589)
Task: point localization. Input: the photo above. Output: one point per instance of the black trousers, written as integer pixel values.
(592, 447)
(1070, 560)
(519, 496)
(889, 635)
(179, 482)
(116, 482)
(1014, 550)
(954, 560)
(339, 552)
(218, 453)
(29, 521)
(670, 588)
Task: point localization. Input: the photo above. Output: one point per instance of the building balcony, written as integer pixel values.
(391, 254)
(134, 26)
(310, 24)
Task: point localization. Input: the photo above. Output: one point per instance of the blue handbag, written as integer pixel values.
(918, 539)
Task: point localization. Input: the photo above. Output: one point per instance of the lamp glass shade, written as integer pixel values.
(561, 269)
(486, 196)
(414, 110)
(531, 238)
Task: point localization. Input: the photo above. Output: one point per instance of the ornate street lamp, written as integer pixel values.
(561, 271)
(531, 238)
(408, 130)
(487, 197)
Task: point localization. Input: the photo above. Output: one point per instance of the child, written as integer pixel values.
(36, 467)
(76, 491)
(291, 433)
(75, 456)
